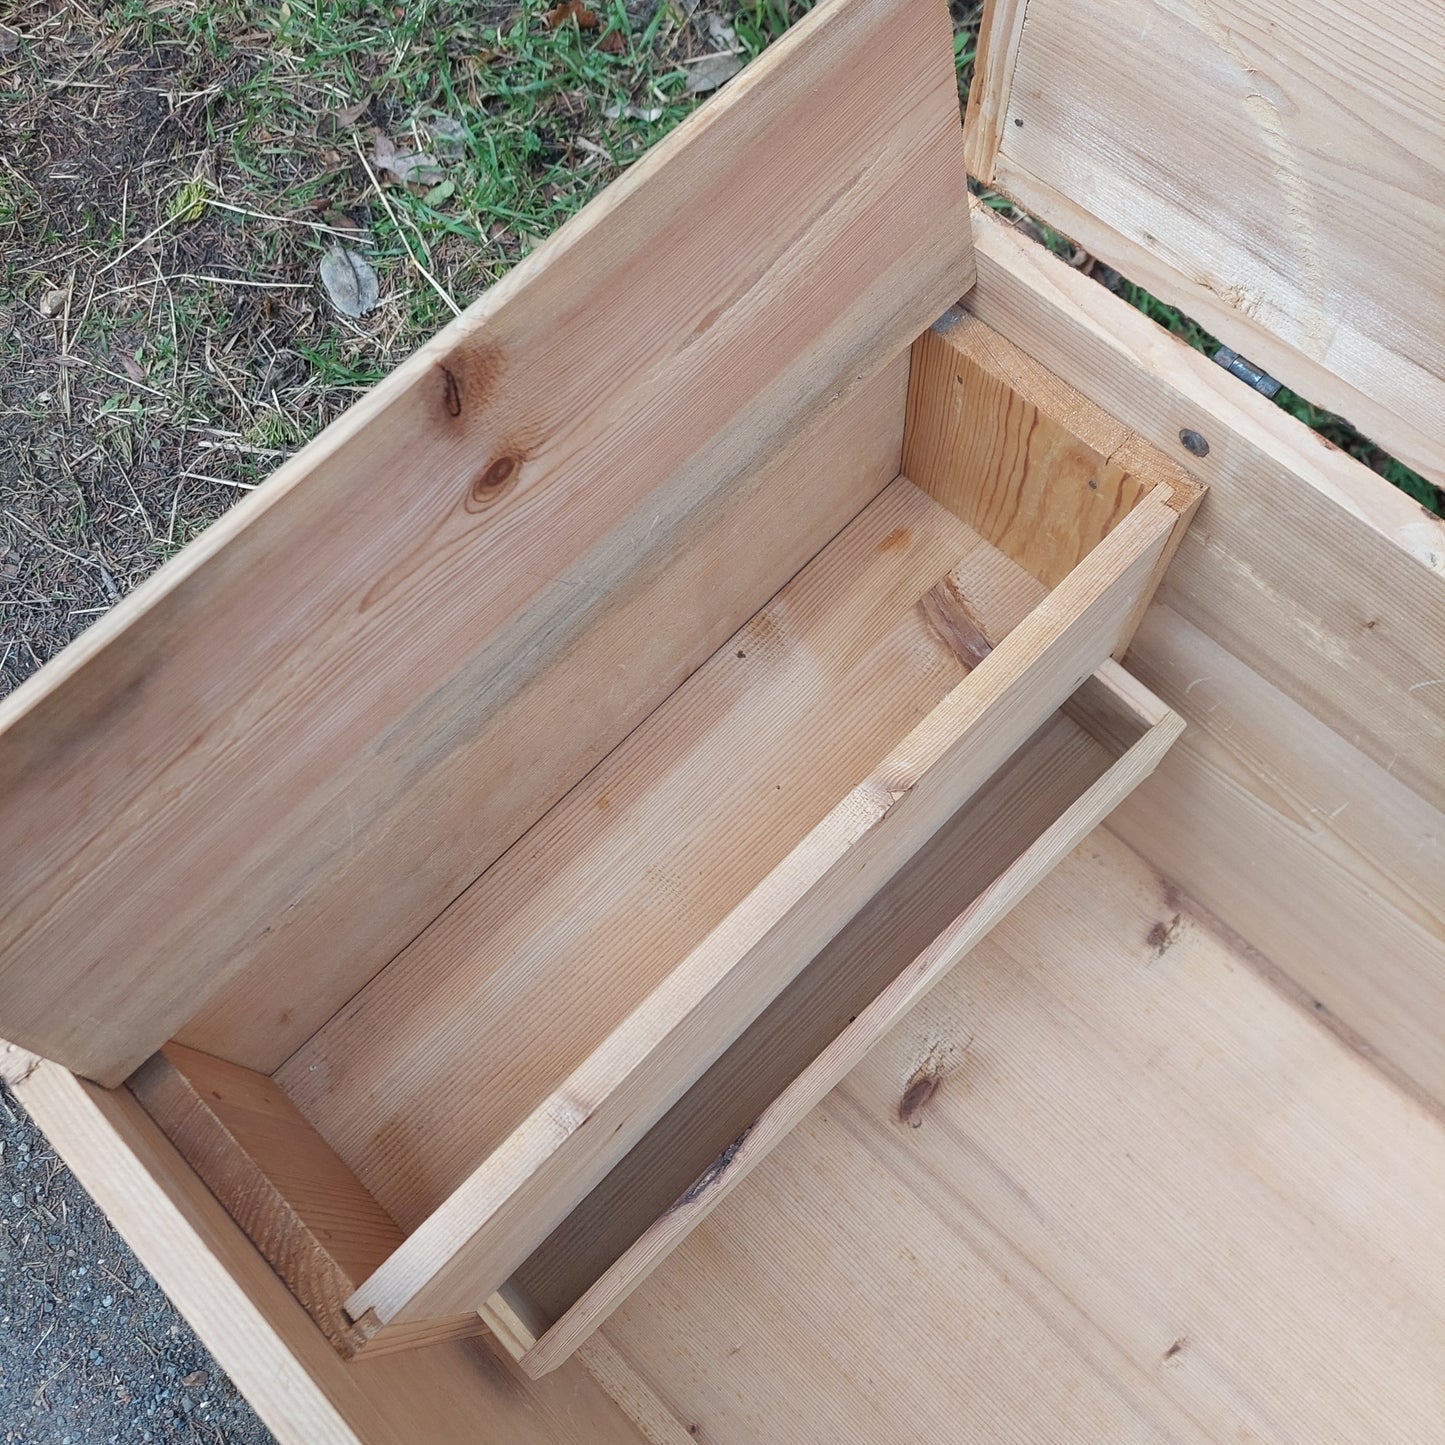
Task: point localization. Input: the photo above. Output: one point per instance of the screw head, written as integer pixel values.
(1193, 443)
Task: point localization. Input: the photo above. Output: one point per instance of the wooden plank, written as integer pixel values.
(1286, 510)
(1149, 1199)
(297, 1201)
(512, 1199)
(977, 868)
(1290, 195)
(316, 726)
(1303, 846)
(1321, 579)
(1033, 465)
(612, 1370)
(993, 73)
(1015, 452)
(699, 593)
(447, 1394)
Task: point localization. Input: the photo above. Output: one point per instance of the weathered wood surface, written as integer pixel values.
(307, 734)
(1148, 1199)
(1319, 591)
(1278, 172)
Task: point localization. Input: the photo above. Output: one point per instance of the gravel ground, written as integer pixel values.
(91, 1352)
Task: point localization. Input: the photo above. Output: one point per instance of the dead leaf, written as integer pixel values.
(616, 111)
(350, 114)
(340, 221)
(613, 43)
(559, 15)
(9, 40)
(711, 72)
(131, 366)
(444, 131)
(195, 1379)
(723, 35)
(350, 281)
(404, 167)
(53, 302)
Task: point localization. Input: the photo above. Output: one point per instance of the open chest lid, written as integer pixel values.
(1276, 172)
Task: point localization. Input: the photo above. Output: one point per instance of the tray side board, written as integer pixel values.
(306, 735)
(1302, 638)
(1276, 171)
(991, 853)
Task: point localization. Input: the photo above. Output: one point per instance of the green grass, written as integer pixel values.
(525, 122)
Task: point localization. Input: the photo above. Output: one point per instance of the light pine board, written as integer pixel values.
(1042, 472)
(1151, 1199)
(1314, 853)
(683, 605)
(465, 1249)
(1278, 173)
(298, 1203)
(446, 1394)
(307, 734)
(1312, 575)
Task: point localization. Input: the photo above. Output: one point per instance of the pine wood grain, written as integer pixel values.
(680, 606)
(296, 1200)
(1319, 857)
(1278, 175)
(1150, 1199)
(464, 1249)
(311, 731)
(1309, 572)
(1030, 463)
(556, 945)
(453, 1393)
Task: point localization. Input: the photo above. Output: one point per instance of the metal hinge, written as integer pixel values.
(1246, 371)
